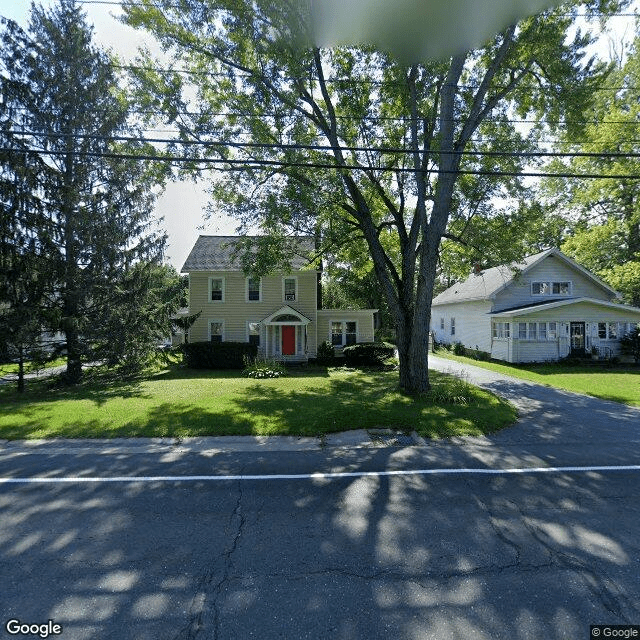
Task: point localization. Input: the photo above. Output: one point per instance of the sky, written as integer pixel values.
(182, 205)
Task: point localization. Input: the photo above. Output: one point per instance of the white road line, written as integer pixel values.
(321, 476)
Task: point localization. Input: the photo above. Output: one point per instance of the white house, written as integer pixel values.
(281, 313)
(545, 308)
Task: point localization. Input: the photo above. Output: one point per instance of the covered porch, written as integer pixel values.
(579, 327)
(285, 335)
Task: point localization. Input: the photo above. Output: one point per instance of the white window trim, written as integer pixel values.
(211, 321)
(224, 286)
(283, 293)
(528, 338)
(550, 284)
(498, 327)
(452, 326)
(344, 332)
(441, 324)
(246, 290)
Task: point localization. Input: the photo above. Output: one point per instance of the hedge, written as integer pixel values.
(218, 355)
(368, 353)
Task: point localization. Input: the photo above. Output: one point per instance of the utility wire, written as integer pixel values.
(244, 165)
(129, 3)
(316, 147)
(220, 74)
(274, 114)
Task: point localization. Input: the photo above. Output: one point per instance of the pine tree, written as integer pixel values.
(62, 106)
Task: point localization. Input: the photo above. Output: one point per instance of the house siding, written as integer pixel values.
(551, 269)
(235, 311)
(472, 323)
(545, 350)
(363, 319)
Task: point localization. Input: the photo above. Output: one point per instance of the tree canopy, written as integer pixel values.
(604, 214)
(350, 142)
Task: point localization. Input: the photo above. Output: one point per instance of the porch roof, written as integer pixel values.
(286, 311)
(534, 308)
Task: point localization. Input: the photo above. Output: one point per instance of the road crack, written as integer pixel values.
(209, 589)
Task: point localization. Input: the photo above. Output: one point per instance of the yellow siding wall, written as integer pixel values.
(235, 311)
(363, 319)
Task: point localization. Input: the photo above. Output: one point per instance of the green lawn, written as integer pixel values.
(180, 402)
(619, 383)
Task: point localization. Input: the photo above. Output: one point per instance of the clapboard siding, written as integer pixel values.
(472, 323)
(551, 269)
(362, 317)
(235, 311)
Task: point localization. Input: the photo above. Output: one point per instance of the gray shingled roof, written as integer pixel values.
(217, 253)
(488, 282)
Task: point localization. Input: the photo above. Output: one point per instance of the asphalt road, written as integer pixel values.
(465, 548)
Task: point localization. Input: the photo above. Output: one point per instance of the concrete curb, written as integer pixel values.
(359, 438)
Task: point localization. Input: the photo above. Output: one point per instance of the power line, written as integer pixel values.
(275, 114)
(244, 165)
(128, 3)
(220, 74)
(316, 147)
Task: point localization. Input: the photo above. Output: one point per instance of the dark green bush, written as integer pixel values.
(458, 349)
(368, 353)
(630, 344)
(326, 353)
(218, 355)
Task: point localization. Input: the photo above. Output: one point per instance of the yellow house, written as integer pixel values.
(279, 312)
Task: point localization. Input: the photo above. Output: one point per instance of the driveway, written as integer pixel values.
(548, 414)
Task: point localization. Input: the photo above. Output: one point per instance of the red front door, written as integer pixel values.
(288, 340)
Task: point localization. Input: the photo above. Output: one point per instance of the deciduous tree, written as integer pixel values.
(350, 141)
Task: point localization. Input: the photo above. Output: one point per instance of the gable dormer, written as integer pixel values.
(552, 278)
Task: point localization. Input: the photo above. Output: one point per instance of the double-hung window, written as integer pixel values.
(539, 288)
(550, 288)
(216, 330)
(290, 289)
(343, 334)
(501, 330)
(560, 288)
(253, 289)
(216, 289)
(453, 326)
(336, 334)
(253, 332)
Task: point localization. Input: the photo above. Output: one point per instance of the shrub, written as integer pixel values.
(458, 349)
(630, 344)
(260, 367)
(326, 353)
(218, 355)
(368, 353)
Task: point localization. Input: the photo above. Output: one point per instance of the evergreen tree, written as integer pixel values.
(62, 106)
